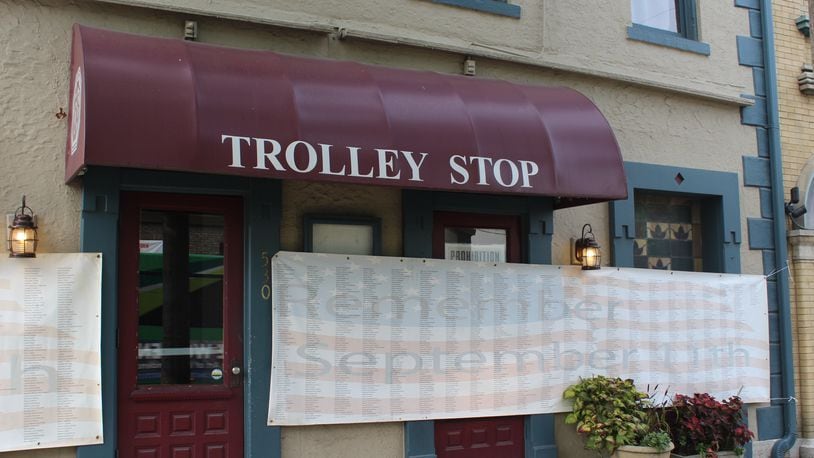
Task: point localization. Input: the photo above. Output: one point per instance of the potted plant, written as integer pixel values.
(613, 416)
(700, 425)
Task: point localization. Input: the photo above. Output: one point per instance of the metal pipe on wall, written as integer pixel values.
(786, 442)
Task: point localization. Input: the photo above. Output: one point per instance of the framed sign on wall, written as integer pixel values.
(359, 235)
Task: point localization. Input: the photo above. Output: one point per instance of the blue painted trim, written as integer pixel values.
(537, 215)
(759, 80)
(769, 422)
(99, 232)
(760, 52)
(419, 439)
(539, 436)
(771, 286)
(310, 220)
(768, 261)
(501, 8)
(755, 114)
(755, 28)
(761, 233)
(723, 231)
(263, 216)
(750, 51)
(752, 4)
(766, 204)
(762, 142)
(666, 38)
(757, 171)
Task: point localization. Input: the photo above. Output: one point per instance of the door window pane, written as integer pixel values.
(660, 14)
(475, 244)
(180, 328)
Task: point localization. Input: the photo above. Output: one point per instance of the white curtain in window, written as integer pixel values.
(660, 14)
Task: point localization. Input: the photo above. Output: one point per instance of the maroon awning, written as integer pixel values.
(165, 104)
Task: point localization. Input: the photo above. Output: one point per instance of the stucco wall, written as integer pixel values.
(302, 198)
(589, 37)
(651, 125)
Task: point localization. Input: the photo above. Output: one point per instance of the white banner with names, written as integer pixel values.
(375, 339)
(50, 355)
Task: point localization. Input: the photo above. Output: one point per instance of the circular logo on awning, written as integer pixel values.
(76, 110)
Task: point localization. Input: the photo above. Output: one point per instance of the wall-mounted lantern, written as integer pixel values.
(22, 238)
(804, 24)
(586, 249)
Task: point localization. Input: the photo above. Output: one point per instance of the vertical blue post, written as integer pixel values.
(99, 234)
(263, 215)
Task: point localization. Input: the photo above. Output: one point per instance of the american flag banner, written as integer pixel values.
(375, 339)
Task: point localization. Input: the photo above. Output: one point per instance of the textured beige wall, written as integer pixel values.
(584, 36)
(375, 440)
(301, 198)
(651, 125)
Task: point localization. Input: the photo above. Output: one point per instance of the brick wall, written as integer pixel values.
(796, 109)
(797, 143)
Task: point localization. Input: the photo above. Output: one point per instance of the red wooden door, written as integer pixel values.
(180, 378)
(500, 437)
(486, 238)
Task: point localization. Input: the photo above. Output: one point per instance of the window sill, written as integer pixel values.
(665, 38)
(486, 6)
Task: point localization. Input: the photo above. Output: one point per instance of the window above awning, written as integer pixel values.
(165, 104)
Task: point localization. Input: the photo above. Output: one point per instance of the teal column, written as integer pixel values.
(99, 230)
(263, 214)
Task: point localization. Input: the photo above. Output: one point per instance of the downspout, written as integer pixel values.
(781, 253)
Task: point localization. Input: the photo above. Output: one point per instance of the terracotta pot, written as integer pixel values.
(636, 451)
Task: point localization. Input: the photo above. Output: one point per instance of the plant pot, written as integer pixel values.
(723, 454)
(637, 451)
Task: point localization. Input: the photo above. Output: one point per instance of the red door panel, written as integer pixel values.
(480, 438)
(499, 437)
(180, 326)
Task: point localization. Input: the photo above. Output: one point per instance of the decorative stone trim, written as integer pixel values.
(806, 79)
(802, 245)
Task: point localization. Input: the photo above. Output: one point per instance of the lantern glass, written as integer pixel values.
(591, 257)
(22, 242)
(22, 234)
(587, 251)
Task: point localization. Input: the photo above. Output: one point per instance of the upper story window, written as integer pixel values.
(660, 14)
(671, 23)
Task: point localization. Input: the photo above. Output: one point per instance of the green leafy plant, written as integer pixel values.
(702, 424)
(659, 440)
(609, 412)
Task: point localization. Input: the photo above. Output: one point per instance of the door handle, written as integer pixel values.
(237, 375)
